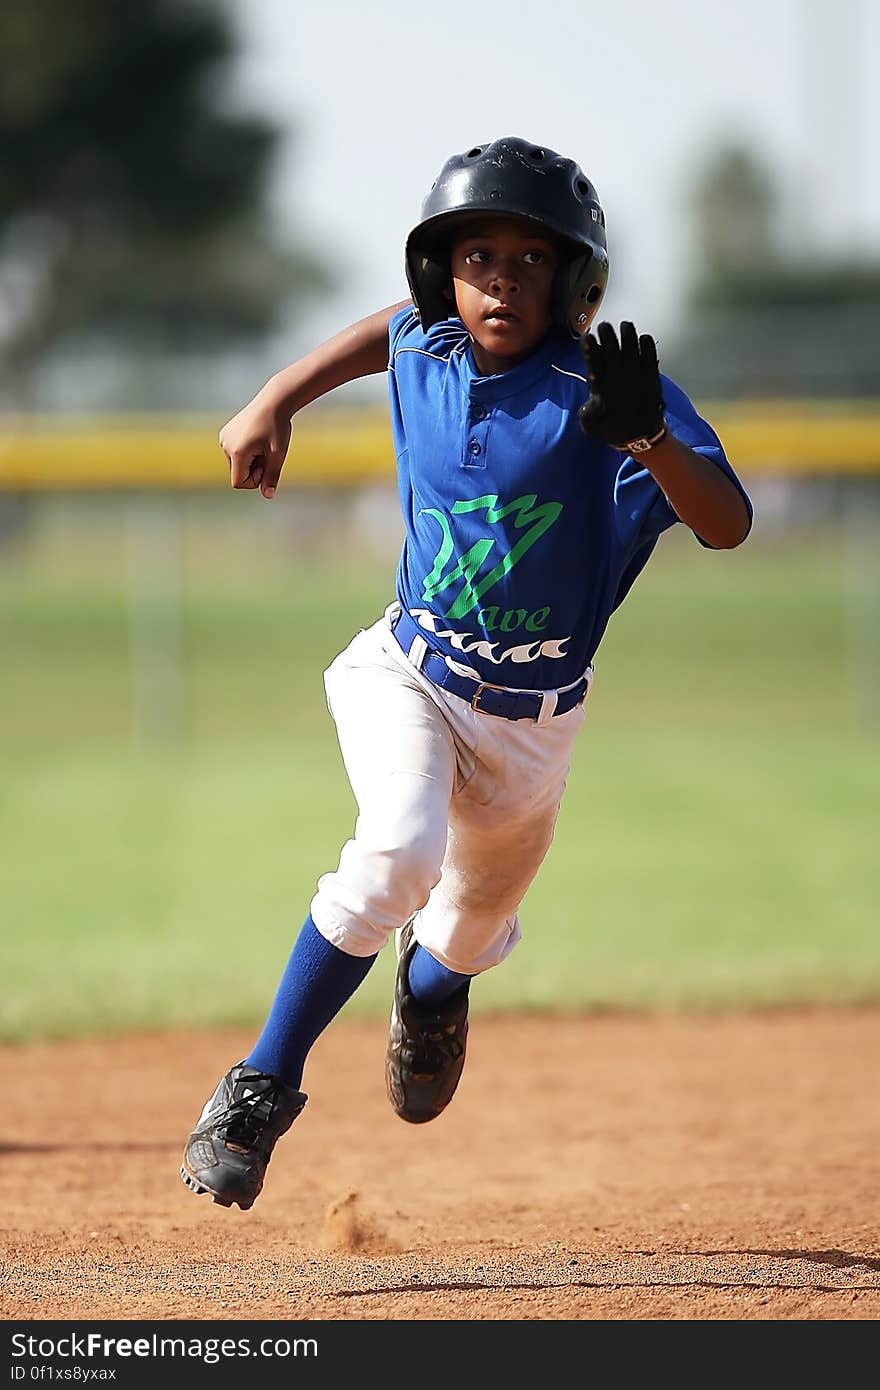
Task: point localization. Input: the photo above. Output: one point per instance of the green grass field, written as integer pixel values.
(717, 846)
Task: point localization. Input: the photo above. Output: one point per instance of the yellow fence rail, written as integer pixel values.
(53, 453)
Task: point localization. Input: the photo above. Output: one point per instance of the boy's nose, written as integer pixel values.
(505, 279)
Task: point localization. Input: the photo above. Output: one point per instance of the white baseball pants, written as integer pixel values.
(456, 810)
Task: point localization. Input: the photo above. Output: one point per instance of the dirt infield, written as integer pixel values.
(595, 1168)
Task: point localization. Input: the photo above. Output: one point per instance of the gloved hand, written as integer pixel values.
(625, 401)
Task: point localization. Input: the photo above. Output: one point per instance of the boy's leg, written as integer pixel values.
(500, 828)
(401, 764)
(427, 1039)
(400, 758)
(258, 1100)
(431, 983)
(317, 981)
(471, 919)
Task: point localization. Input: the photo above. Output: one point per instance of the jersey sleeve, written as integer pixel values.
(401, 326)
(405, 334)
(641, 509)
(689, 427)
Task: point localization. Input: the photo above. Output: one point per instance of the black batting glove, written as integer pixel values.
(625, 401)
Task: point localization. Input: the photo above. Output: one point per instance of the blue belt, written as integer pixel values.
(480, 695)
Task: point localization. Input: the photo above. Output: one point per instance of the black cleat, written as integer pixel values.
(229, 1150)
(426, 1047)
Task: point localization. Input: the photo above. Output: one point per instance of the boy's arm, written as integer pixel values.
(256, 440)
(699, 493)
(626, 405)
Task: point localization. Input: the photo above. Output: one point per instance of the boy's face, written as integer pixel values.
(502, 275)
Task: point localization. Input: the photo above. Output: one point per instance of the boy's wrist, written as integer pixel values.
(643, 444)
(281, 393)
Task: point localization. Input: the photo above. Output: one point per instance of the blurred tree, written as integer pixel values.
(734, 208)
(758, 306)
(741, 261)
(132, 204)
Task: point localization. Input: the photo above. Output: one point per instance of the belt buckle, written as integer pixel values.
(484, 685)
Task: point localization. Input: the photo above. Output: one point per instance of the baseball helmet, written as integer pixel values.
(514, 178)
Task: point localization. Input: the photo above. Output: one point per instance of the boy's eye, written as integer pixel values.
(482, 255)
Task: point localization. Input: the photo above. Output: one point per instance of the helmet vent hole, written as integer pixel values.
(592, 294)
(475, 152)
(582, 187)
(536, 154)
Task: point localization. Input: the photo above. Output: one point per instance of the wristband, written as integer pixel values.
(642, 445)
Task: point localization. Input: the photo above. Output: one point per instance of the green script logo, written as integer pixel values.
(538, 520)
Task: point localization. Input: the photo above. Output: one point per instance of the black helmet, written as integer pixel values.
(518, 179)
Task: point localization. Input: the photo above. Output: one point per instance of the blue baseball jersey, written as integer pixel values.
(522, 534)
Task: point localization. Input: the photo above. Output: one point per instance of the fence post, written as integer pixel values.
(155, 618)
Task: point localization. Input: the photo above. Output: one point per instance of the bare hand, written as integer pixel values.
(255, 441)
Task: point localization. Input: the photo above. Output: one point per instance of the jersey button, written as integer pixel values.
(475, 447)
(480, 412)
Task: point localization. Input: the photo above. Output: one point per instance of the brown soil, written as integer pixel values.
(590, 1168)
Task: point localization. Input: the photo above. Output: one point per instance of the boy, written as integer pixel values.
(537, 466)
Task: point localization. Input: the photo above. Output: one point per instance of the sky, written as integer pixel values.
(376, 96)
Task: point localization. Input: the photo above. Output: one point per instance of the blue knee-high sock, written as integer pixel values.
(429, 981)
(317, 981)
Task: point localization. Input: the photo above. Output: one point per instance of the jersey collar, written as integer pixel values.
(512, 382)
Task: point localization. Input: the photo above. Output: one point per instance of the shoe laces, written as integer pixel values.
(254, 1102)
(429, 1052)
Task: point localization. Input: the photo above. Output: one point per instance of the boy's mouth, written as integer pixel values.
(501, 314)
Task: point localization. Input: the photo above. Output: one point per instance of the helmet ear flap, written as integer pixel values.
(578, 291)
(430, 283)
